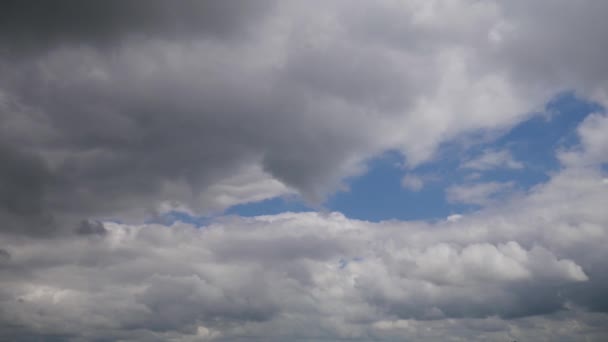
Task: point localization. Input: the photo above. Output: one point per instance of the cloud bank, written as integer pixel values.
(106, 116)
(505, 272)
(324, 276)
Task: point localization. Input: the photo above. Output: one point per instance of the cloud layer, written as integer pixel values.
(113, 114)
(109, 117)
(324, 276)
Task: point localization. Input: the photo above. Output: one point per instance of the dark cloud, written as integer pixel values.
(122, 136)
(5, 256)
(24, 178)
(90, 227)
(35, 25)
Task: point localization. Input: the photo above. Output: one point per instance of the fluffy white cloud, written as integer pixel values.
(486, 276)
(593, 149)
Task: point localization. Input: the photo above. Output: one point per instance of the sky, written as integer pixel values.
(344, 170)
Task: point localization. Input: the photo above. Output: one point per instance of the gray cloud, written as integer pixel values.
(35, 26)
(4, 255)
(89, 227)
(24, 178)
(189, 105)
(125, 109)
(325, 276)
(512, 271)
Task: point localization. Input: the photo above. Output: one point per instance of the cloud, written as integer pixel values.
(593, 147)
(122, 111)
(491, 159)
(4, 255)
(141, 107)
(323, 275)
(91, 228)
(412, 182)
(478, 193)
(508, 271)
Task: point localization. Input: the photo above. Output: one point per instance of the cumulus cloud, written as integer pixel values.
(323, 275)
(115, 110)
(593, 149)
(123, 111)
(511, 271)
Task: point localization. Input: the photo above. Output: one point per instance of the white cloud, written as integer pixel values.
(493, 159)
(478, 193)
(485, 276)
(593, 149)
(454, 218)
(412, 182)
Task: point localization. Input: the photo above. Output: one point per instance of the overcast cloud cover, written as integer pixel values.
(114, 113)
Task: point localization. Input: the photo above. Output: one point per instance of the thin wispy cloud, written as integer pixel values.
(490, 159)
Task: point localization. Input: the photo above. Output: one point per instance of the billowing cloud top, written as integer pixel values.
(115, 113)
